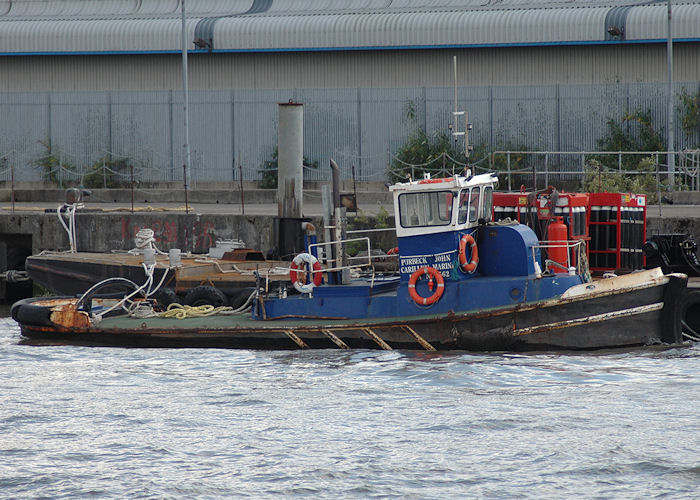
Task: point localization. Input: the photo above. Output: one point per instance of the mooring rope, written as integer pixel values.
(179, 311)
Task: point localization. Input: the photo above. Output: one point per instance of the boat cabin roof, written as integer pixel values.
(429, 206)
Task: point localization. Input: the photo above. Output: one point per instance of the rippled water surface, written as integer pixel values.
(107, 422)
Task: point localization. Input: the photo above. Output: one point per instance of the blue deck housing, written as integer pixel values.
(506, 275)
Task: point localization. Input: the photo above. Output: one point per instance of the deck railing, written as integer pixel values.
(576, 260)
(531, 167)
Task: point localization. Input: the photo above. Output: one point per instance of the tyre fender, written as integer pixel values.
(202, 295)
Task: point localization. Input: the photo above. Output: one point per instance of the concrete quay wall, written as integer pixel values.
(104, 232)
(107, 226)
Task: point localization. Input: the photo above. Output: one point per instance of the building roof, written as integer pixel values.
(152, 26)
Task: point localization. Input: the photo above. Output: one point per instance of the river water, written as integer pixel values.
(191, 423)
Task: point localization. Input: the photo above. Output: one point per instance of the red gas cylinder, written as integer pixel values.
(557, 232)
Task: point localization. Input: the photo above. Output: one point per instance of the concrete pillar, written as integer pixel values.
(290, 146)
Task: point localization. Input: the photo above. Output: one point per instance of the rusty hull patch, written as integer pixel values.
(66, 315)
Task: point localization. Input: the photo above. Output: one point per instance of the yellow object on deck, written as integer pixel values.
(179, 311)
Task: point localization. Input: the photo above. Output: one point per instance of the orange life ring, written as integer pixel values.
(393, 251)
(432, 273)
(468, 267)
(301, 260)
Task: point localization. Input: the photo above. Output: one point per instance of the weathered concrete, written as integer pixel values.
(111, 226)
(122, 197)
(685, 197)
(103, 232)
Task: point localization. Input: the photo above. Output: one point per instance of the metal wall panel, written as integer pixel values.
(652, 22)
(165, 8)
(359, 128)
(375, 69)
(60, 27)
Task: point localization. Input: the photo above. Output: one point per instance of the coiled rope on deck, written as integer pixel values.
(179, 311)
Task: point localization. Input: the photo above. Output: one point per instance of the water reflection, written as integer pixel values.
(112, 422)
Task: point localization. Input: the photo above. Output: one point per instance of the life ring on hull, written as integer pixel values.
(301, 260)
(432, 273)
(468, 267)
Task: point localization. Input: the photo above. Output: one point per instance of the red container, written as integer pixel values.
(557, 232)
(617, 225)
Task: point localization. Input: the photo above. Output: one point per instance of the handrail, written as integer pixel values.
(578, 245)
(685, 164)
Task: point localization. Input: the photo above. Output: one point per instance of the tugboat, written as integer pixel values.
(465, 282)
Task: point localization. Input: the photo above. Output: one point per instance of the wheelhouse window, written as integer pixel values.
(425, 209)
(487, 203)
(468, 205)
(474, 205)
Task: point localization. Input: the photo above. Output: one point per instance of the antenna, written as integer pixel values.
(454, 125)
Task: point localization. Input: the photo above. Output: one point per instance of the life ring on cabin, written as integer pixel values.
(393, 251)
(301, 260)
(432, 273)
(468, 267)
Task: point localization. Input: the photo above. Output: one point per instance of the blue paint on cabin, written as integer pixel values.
(505, 276)
(507, 272)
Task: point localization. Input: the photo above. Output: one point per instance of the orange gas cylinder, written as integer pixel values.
(557, 232)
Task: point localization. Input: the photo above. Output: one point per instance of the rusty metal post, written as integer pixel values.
(187, 205)
(240, 170)
(290, 170)
(335, 182)
(131, 174)
(354, 186)
(12, 186)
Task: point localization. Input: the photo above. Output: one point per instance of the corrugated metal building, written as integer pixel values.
(350, 59)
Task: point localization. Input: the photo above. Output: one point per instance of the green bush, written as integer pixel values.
(689, 112)
(268, 178)
(599, 179)
(635, 132)
(106, 173)
(50, 162)
(422, 154)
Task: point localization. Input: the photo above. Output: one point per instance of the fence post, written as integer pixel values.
(12, 185)
(546, 170)
(131, 171)
(509, 173)
(619, 162)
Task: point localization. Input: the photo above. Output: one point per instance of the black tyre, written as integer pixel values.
(167, 296)
(203, 295)
(690, 309)
(28, 314)
(239, 298)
